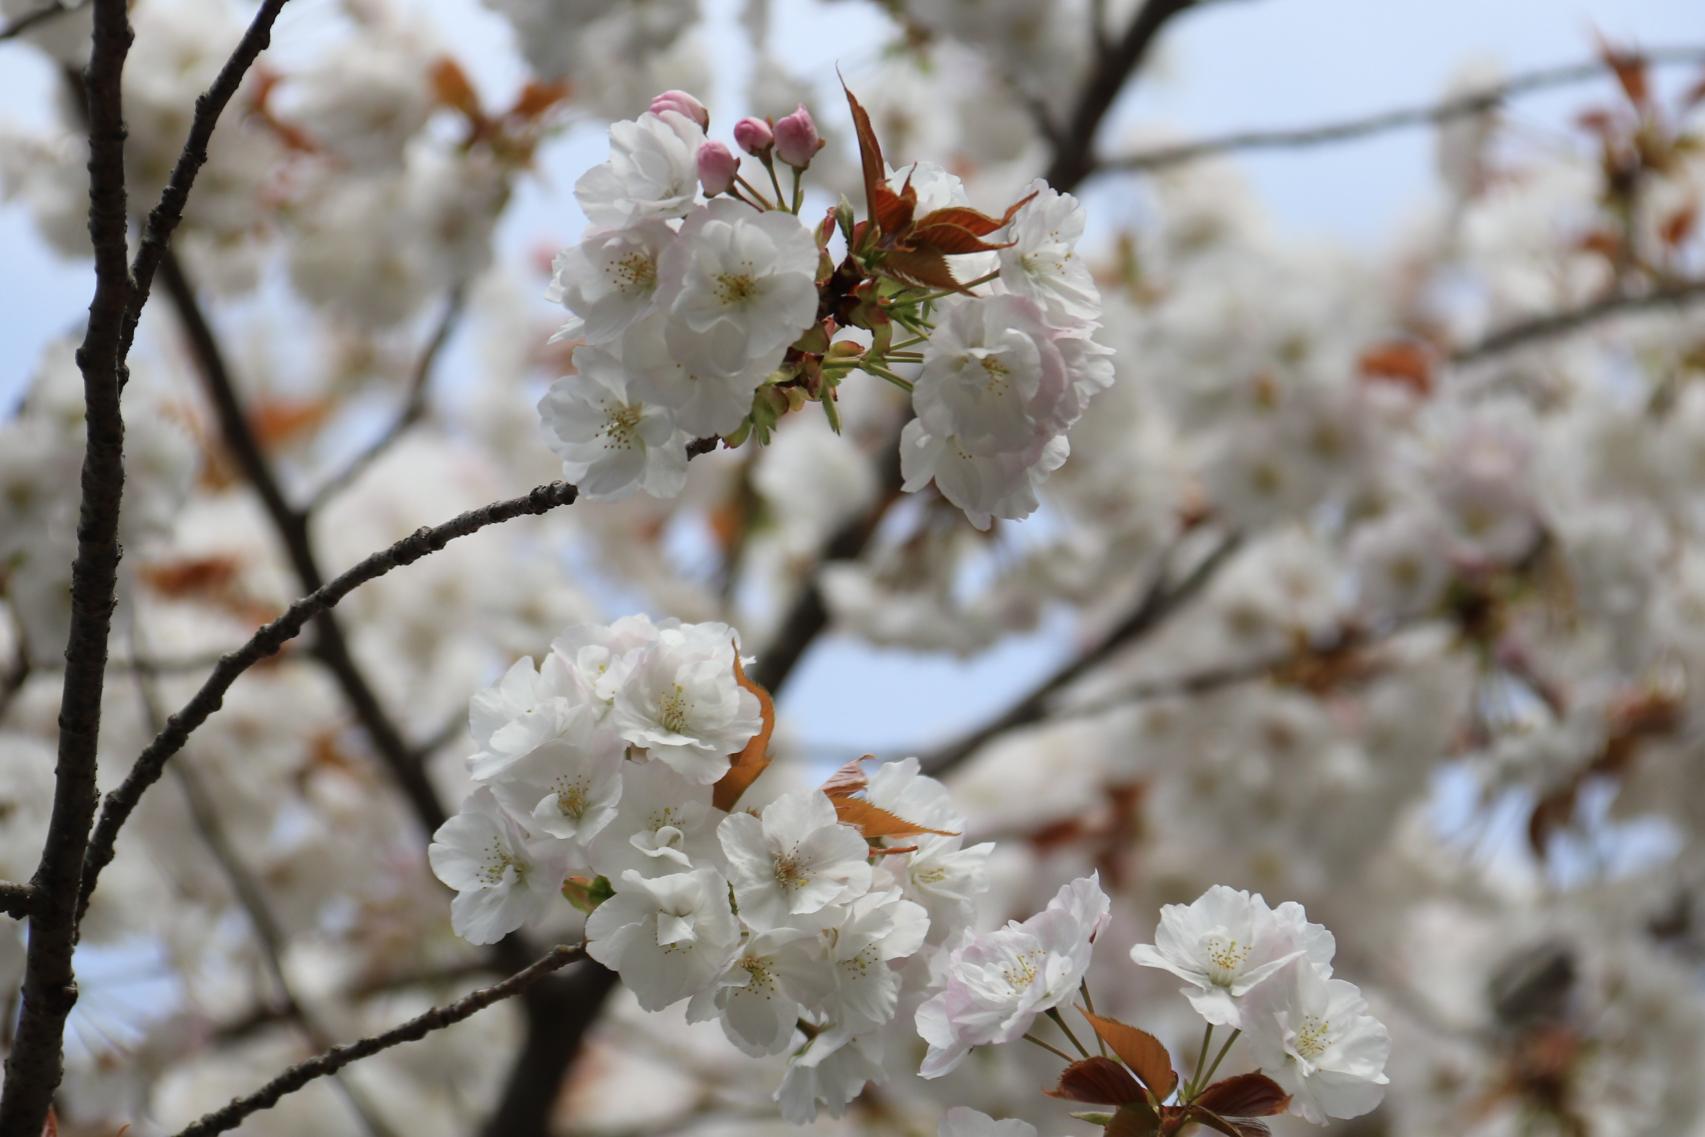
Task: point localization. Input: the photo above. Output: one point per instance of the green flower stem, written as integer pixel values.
(1201, 1061)
(1060, 1021)
(1220, 1057)
(1050, 1048)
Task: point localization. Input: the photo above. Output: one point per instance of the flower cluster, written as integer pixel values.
(1265, 972)
(609, 774)
(704, 317)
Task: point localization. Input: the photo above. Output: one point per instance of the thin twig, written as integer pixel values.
(1460, 106)
(36, 1063)
(209, 105)
(1157, 605)
(413, 408)
(269, 933)
(337, 1057)
(1556, 324)
(42, 15)
(267, 640)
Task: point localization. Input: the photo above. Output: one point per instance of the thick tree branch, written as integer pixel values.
(1431, 114)
(36, 1064)
(1157, 605)
(1557, 324)
(169, 211)
(337, 1057)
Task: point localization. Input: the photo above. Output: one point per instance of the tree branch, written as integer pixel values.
(413, 409)
(251, 897)
(337, 1057)
(291, 524)
(44, 14)
(36, 1064)
(169, 211)
(1074, 154)
(15, 899)
(1556, 324)
(121, 802)
(1461, 106)
(1157, 605)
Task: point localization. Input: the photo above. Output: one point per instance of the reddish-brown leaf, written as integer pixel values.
(1679, 226)
(1098, 1081)
(951, 239)
(923, 266)
(1136, 1120)
(1230, 1126)
(537, 97)
(751, 761)
(1401, 361)
(893, 211)
(849, 779)
(874, 821)
(964, 217)
(869, 151)
(1244, 1095)
(1141, 1051)
(1630, 71)
(452, 87)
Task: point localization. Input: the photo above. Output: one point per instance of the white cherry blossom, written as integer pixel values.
(829, 1072)
(681, 701)
(667, 936)
(758, 1011)
(1042, 263)
(663, 824)
(502, 877)
(794, 861)
(703, 399)
(1313, 1035)
(992, 375)
(1226, 942)
(529, 706)
(608, 280)
(569, 786)
(652, 173)
(738, 287)
(611, 442)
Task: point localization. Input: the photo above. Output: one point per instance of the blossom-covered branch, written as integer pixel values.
(337, 1057)
(1466, 105)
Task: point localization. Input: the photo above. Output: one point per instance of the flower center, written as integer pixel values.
(497, 860)
(790, 873)
(1314, 1037)
(634, 274)
(1022, 972)
(673, 711)
(621, 425)
(571, 800)
(1226, 957)
(763, 977)
(735, 287)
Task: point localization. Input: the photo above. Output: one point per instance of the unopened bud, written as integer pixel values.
(683, 104)
(754, 136)
(717, 168)
(797, 140)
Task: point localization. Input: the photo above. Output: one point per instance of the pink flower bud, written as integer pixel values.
(717, 167)
(684, 104)
(797, 140)
(753, 136)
